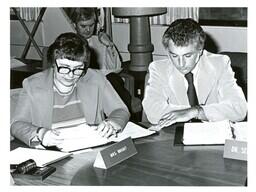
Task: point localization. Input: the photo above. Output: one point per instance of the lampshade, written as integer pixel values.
(135, 11)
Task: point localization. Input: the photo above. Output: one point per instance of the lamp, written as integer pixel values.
(140, 46)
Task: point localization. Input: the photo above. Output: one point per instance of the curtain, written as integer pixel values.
(29, 14)
(172, 14)
(108, 24)
(101, 18)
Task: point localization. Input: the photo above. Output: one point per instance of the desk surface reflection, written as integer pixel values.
(157, 163)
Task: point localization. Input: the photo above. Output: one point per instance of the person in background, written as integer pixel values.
(104, 54)
(191, 83)
(67, 92)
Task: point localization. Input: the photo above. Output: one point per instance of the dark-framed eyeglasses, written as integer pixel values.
(67, 70)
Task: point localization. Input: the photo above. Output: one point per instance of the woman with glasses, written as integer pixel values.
(69, 93)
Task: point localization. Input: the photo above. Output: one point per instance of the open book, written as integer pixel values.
(213, 132)
(40, 156)
(84, 136)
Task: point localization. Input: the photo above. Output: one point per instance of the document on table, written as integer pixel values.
(213, 132)
(84, 136)
(40, 156)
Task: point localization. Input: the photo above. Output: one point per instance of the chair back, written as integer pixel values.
(144, 118)
(239, 66)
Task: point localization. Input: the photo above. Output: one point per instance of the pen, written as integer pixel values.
(114, 132)
(232, 131)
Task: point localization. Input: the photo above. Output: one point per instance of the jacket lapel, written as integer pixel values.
(206, 79)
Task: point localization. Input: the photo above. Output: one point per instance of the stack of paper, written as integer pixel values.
(41, 157)
(212, 132)
(84, 136)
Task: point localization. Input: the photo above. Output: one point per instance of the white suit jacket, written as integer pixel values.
(217, 90)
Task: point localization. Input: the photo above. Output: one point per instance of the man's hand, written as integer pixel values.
(105, 39)
(178, 116)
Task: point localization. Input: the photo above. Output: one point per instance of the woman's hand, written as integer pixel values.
(52, 138)
(108, 128)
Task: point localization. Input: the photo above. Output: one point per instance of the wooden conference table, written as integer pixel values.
(157, 163)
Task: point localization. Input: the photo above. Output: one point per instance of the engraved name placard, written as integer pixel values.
(115, 154)
(235, 149)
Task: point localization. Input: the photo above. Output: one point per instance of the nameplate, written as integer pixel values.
(234, 149)
(115, 154)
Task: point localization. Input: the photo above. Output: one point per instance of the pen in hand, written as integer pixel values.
(106, 129)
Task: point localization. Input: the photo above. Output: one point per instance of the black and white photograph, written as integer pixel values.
(129, 96)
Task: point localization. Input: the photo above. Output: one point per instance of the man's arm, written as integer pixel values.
(112, 58)
(157, 100)
(182, 115)
(231, 103)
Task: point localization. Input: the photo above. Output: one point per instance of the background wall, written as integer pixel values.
(55, 23)
(224, 38)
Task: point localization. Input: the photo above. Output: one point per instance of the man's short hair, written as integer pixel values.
(69, 46)
(83, 14)
(184, 32)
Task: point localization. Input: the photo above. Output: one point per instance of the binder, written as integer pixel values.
(178, 137)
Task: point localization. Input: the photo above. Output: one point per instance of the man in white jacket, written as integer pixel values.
(215, 93)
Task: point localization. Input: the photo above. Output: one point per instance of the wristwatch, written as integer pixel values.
(199, 111)
(37, 133)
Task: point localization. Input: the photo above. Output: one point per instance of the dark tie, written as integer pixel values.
(192, 97)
